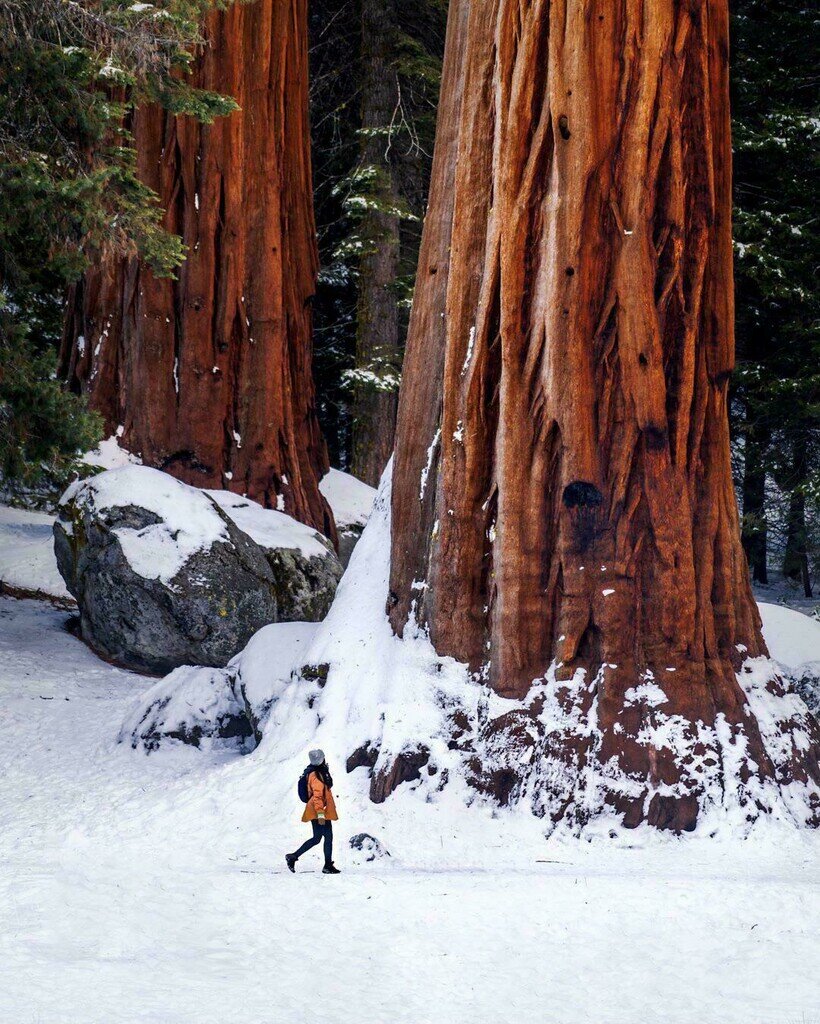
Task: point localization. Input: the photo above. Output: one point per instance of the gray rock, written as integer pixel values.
(348, 539)
(306, 570)
(369, 846)
(220, 708)
(164, 577)
(195, 706)
(807, 684)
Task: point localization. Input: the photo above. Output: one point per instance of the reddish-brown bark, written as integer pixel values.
(562, 482)
(210, 376)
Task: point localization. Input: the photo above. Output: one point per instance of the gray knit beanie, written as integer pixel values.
(317, 756)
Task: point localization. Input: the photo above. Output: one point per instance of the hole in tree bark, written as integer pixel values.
(583, 500)
(563, 126)
(569, 271)
(643, 360)
(580, 494)
(655, 438)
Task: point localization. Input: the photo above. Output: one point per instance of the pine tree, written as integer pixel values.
(373, 126)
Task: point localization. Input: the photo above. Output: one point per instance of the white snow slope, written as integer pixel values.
(350, 499)
(27, 559)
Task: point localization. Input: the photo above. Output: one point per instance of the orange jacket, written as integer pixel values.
(320, 798)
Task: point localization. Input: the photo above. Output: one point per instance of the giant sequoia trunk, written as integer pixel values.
(377, 339)
(563, 512)
(210, 376)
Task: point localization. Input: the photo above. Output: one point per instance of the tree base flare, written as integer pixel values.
(652, 765)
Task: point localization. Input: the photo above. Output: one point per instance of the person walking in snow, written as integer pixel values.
(315, 789)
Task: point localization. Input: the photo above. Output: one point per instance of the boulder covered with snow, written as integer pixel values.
(193, 705)
(220, 709)
(351, 502)
(305, 568)
(166, 575)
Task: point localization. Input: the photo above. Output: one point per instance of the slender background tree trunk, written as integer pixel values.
(209, 377)
(563, 507)
(377, 339)
(795, 557)
(755, 533)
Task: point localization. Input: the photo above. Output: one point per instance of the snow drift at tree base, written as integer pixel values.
(400, 716)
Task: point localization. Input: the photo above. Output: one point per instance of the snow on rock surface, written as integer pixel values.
(220, 708)
(110, 455)
(186, 522)
(351, 502)
(27, 564)
(153, 889)
(271, 529)
(164, 577)
(192, 705)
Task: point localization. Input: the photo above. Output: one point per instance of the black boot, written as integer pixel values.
(290, 860)
(330, 869)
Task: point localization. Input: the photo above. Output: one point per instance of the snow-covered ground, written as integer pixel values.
(152, 888)
(27, 561)
(142, 888)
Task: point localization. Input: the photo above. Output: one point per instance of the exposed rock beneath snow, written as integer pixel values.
(165, 577)
(351, 502)
(369, 846)
(807, 684)
(220, 708)
(405, 766)
(197, 706)
(305, 568)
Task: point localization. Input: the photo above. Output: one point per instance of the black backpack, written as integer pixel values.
(302, 786)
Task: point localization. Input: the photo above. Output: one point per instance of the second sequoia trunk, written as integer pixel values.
(564, 518)
(209, 377)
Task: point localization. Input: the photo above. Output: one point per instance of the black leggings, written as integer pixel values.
(321, 830)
